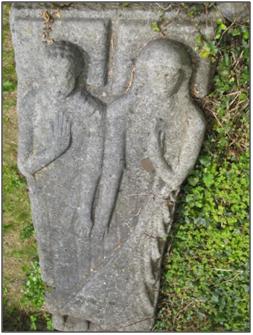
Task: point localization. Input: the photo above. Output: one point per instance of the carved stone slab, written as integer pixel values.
(108, 131)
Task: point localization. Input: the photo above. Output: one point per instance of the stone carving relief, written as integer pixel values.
(104, 164)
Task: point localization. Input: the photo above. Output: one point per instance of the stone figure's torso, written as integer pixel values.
(138, 179)
(59, 187)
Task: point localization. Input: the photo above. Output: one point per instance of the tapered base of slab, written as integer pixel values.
(67, 323)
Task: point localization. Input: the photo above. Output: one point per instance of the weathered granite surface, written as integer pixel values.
(108, 131)
(235, 11)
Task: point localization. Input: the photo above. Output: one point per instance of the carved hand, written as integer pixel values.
(160, 129)
(61, 134)
(157, 150)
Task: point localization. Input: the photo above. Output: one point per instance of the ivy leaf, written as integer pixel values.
(155, 27)
(193, 181)
(208, 179)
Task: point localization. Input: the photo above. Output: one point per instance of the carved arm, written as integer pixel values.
(29, 163)
(174, 176)
(191, 145)
(156, 152)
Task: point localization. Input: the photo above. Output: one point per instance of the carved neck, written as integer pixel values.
(151, 93)
(162, 98)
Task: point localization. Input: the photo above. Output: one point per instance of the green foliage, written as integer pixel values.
(13, 317)
(16, 207)
(8, 86)
(206, 280)
(49, 322)
(9, 75)
(221, 27)
(33, 297)
(229, 103)
(34, 287)
(33, 320)
(207, 48)
(155, 26)
(27, 232)
(37, 324)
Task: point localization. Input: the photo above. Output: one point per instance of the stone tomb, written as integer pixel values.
(108, 131)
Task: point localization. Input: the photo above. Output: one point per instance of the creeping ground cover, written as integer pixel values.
(205, 281)
(206, 275)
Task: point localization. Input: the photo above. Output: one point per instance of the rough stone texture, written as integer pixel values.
(235, 11)
(108, 131)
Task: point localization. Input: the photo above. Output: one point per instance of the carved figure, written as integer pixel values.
(142, 172)
(61, 138)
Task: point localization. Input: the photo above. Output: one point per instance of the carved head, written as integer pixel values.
(162, 67)
(65, 65)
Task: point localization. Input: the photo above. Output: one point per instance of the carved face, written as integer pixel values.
(162, 68)
(61, 76)
(165, 79)
(160, 79)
